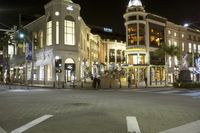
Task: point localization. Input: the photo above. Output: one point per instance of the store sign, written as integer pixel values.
(29, 51)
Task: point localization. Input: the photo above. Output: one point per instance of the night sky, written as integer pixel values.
(105, 13)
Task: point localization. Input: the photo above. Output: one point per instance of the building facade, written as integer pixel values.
(63, 48)
(145, 33)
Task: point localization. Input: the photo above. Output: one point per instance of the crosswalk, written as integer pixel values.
(170, 91)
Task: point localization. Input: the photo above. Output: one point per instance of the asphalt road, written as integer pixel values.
(94, 111)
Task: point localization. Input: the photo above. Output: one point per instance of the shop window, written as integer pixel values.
(141, 59)
(132, 59)
(118, 56)
(112, 55)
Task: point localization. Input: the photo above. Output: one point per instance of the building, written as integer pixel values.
(145, 33)
(62, 48)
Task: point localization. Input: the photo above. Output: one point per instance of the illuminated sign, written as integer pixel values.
(70, 8)
(107, 30)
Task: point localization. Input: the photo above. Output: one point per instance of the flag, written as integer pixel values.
(29, 51)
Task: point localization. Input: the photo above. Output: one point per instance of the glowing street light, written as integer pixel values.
(186, 25)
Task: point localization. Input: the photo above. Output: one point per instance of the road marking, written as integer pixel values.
(168, 92)
(2, 130)
(31, 124)
(194, 94)
(132, 125)
(193, 127)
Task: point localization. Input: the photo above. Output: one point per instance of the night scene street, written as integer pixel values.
(99, 111)
(109, 66)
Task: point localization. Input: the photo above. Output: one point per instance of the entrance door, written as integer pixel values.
(69, 72)
(138, 74)
(68, 75)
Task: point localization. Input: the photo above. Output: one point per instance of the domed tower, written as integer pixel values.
(144, 34)
(137, 44)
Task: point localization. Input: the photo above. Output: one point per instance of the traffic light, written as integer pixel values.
(58, 65)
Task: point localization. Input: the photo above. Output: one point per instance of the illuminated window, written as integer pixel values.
(10, 49)
(190, 47)
(156, 35)
(132, 59)
(41, 39)
(49, 32)
(169, 32)
(170, 61)
(182, 35)
(132, 34)
(35, 39)
(69, 31)
(141, 59)
(57, 32)
(169, 42)
(41, 73)
(195, 48)
(199, 49)
(183, 47)
(49, 72)
(175, 44)
(141, 34)
(175, 34)
(176, 60)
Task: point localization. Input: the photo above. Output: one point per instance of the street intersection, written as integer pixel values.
(145, 110)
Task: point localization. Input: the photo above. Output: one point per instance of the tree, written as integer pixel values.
(165, 51)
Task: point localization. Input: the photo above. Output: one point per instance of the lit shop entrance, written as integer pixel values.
(157, 75)
(138, 74)
(69, 70)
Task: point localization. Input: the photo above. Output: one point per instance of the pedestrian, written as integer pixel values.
(129, 81)
(99, 82)
(145, 80)
(94, 81)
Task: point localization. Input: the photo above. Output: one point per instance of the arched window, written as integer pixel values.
(49, 32)
(69, 31)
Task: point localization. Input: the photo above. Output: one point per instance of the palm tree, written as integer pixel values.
(164, 51)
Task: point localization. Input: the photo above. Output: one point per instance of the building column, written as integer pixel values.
(108, 58)
(115, 58)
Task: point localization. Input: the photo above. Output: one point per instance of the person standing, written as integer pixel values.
(129, 81)
(145, 80)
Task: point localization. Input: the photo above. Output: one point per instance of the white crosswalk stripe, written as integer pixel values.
(181, 92)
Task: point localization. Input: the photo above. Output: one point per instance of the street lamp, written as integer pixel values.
(193, 25)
